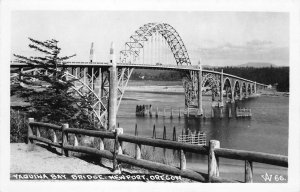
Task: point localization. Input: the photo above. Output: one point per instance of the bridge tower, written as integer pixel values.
(92, 52)
(112, 102)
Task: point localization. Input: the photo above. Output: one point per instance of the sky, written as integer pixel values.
(214, 38)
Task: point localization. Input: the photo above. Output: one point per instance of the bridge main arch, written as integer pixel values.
(135, 45)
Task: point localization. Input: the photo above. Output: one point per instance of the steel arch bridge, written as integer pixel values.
(92, 78)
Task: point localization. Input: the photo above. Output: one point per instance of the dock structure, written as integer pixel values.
(243, 112)
(193, 138)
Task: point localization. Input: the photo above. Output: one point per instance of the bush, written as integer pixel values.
(18, 127)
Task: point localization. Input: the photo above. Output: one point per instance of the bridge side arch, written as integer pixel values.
(236, 89)
(213, 82)
(243, 90)
(249, 92)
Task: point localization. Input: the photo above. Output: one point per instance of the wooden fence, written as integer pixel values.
(213, 151)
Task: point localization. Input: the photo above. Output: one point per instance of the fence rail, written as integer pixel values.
(213, 151)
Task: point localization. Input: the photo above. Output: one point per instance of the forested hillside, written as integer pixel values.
(268, 75)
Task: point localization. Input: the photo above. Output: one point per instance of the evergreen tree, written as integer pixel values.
(48, 90)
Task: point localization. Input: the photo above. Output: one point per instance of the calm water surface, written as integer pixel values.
(266, 131)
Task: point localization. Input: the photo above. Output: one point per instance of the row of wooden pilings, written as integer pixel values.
(145, 110)
(164, 136)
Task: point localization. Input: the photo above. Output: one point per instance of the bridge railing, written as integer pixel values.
(213, 151)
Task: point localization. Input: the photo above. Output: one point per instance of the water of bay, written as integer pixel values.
(266, 131)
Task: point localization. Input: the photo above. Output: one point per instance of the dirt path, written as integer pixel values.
(41, 160)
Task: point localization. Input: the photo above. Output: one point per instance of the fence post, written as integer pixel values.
(101, 147)
(75, 140)
(54, 137)
(64, 140)
(248, 171)
(213, 161)
(179, 113)
(30, 141)
(156, 114)
(182, 160)
(38, 134)
(171, 113)
(117, 150)
(137, 146)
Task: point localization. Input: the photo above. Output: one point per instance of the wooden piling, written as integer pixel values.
(164, 114)
(248, 172)
(229, 112)
(171, 113)
(213, 161)
(212, 112)
(150, 111)
(65, 139)
(179, 113)
(156, 114)
(221, 113)
(154, 132)
(174, 134)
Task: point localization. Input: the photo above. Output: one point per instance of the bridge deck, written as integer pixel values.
(144, 66)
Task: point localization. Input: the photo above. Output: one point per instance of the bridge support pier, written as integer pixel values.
(232, 95)
(113, 86)
(241, 91)
(200, 109)
(221, 89)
